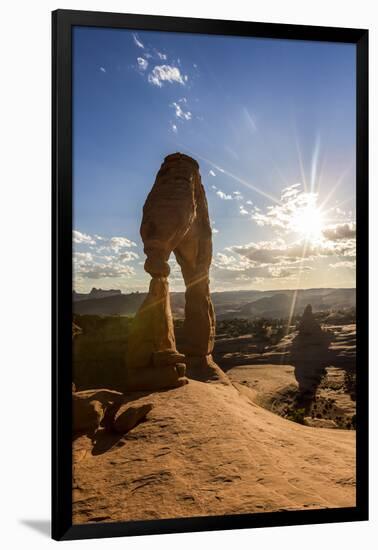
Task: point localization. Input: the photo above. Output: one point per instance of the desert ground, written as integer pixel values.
(230, 446)
(208, 449)
(271, 382)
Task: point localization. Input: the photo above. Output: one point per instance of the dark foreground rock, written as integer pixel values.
(128, 416)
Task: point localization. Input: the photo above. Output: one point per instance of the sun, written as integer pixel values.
(308, 222)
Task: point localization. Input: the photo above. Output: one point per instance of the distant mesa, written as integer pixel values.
(243, 304)
(95, 294)
(99, 293)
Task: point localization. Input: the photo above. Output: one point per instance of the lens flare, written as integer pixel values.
(308, 222)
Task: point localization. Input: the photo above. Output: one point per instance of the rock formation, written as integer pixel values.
(89, 408)
(128, 416)
(309, 328)
(175, 219)
(207, 449)
(310, 354)
(107, 410)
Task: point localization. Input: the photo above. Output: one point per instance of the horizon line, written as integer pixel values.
(226, 290)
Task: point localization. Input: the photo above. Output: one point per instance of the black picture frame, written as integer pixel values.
(62, 23)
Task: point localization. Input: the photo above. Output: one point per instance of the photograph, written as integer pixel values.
(213, 275)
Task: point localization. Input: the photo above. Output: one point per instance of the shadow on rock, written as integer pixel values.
(119, 423)
(104, 440)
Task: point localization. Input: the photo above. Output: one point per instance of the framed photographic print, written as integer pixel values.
(210, 187)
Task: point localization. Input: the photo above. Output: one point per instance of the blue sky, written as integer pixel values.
(272, 125)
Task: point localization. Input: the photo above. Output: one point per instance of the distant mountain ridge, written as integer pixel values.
(228, 304)
(95, 294)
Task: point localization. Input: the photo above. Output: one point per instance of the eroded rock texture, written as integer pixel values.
(175, 219)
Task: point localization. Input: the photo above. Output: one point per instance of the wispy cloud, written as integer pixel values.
(340, 231)
(234, 196)
(237, 195)
(83, 256)
(279, 252)
(296, 208)
(250, 120)
(137, 41)
(78, 238)
(229, 262)
(101, 270)
(142, 63)
(292, 202)
(213, 228)
(223, 195)
(117, 243)
(180, 113)
(128, 256)
(107, 257)
(346, 264)
(166, 73)
(228, 267)
(266, 253)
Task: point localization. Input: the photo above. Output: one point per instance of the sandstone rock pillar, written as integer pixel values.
(310, 355)
(152, 359)
(175, 219)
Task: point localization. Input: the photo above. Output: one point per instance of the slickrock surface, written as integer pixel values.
(207, 449)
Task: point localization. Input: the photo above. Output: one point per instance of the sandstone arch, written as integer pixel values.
(175, 219)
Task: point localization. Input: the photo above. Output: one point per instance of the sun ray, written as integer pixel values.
(232, 176)
(259, 136)
(295, 293)
(339, 181)
(314, 164)
(300, 160)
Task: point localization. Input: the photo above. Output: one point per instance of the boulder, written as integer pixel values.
(89, 407)
(106, 397)
(128, 416)
(87, 414)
